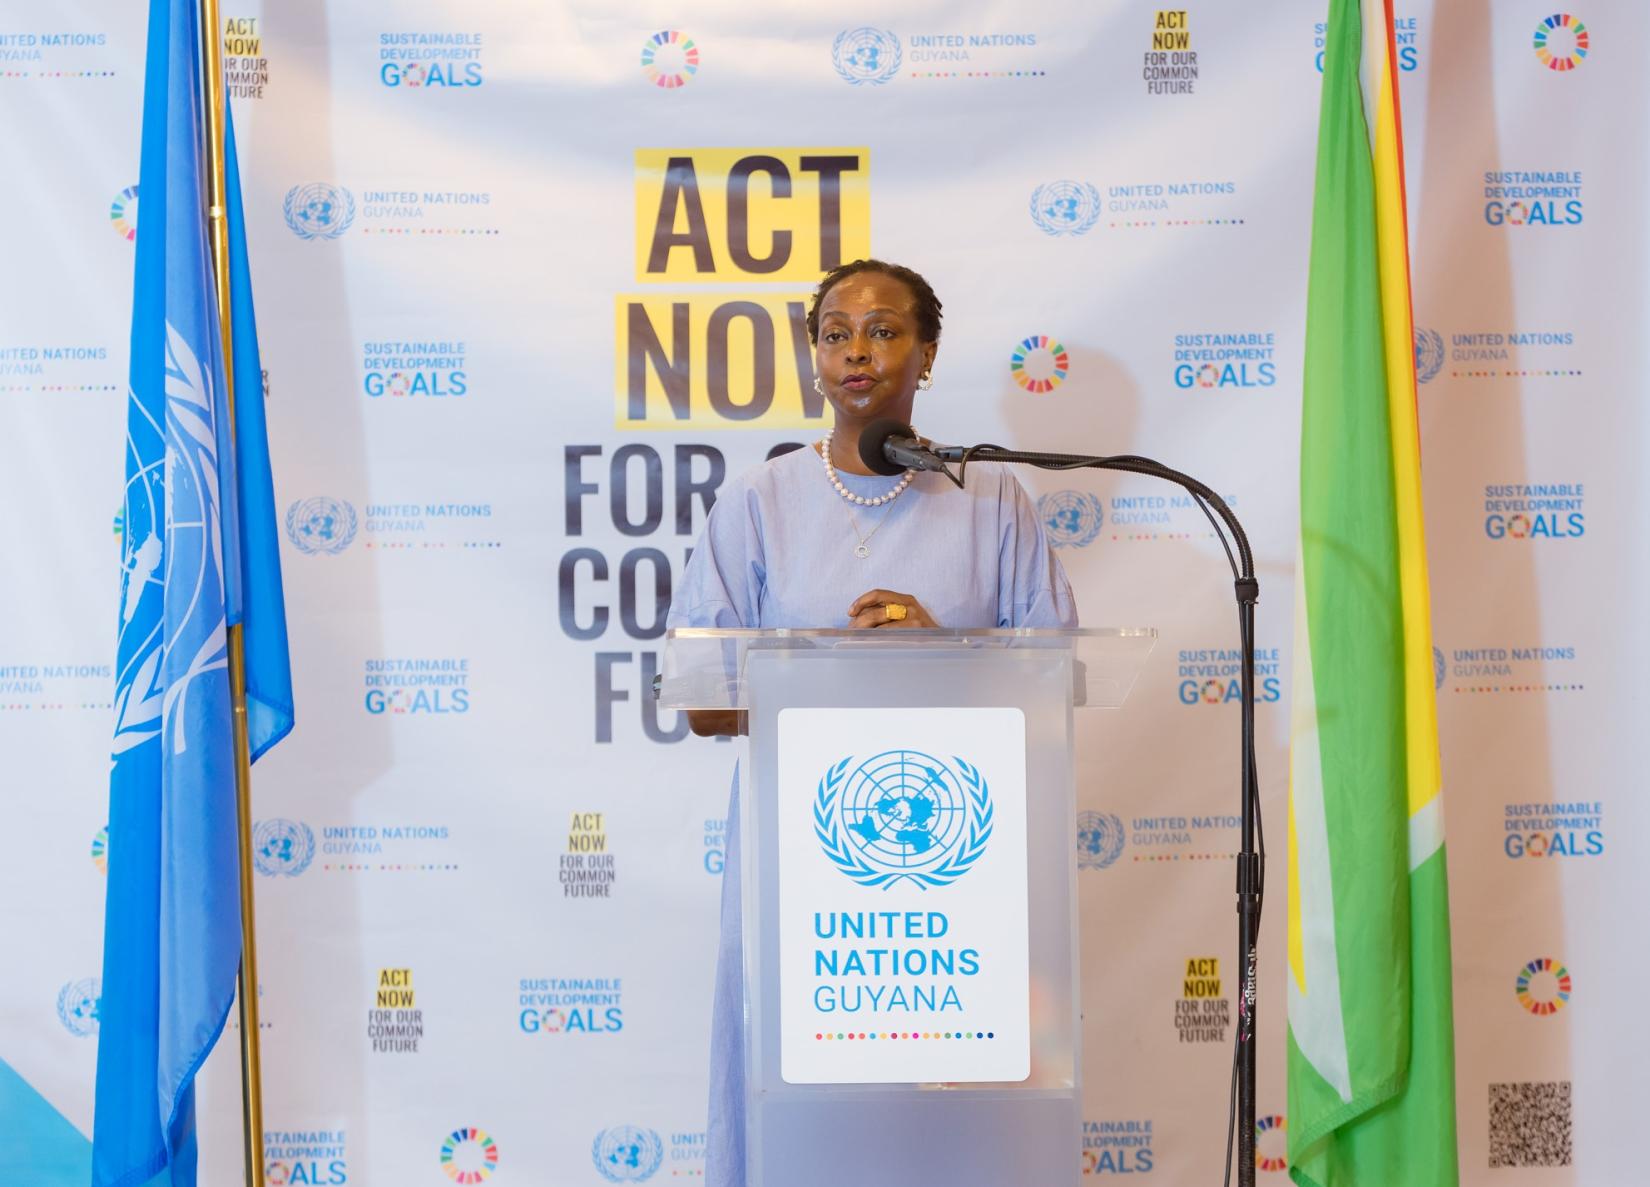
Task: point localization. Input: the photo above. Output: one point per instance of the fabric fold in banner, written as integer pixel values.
(198, 556)
(1371, 1044)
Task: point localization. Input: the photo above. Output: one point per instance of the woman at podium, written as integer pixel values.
(813, 539)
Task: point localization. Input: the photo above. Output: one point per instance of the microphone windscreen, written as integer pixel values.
(872, 440)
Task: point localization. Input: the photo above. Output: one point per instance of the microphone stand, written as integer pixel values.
(1251, 864)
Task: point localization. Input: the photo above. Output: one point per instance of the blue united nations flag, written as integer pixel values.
(198, 556)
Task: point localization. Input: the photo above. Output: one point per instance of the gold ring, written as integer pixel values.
(895, 611)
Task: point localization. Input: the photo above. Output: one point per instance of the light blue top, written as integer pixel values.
(779, 551)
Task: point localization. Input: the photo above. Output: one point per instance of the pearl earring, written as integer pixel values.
(818, 387)
(925, 381)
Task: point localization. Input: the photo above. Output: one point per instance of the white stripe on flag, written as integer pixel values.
(1426, 831)
(1315, 1016)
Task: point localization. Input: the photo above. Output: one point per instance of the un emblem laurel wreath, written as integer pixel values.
(267, 833)
(1085, 213)
(304, 511)
(1429, 354)
(604, 1149)
(300, 195)
(79, 1004)
(828, 831)
(850, 41)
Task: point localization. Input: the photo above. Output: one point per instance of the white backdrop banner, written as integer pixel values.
(531, 280)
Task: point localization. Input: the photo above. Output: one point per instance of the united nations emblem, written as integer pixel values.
(1438, 668)
(320, 524)
(1065, 207)
(627, 1154)
(1429, 354)
(866, 56)
(1099, 840)
(1071, 518)
(903, 815)
(282, 847)
(78, 1005)
(319, 210)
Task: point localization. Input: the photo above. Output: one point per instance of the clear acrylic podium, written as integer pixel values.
(908, 857)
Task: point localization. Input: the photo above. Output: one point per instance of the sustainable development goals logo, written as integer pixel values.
(670, 59)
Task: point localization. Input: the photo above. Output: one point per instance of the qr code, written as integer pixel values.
(1530, 1124)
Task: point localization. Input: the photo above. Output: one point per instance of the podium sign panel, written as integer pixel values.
(903, 949)
(908, 860)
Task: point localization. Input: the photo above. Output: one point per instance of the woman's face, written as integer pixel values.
(870, 352)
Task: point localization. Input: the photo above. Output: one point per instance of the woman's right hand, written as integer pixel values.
(715, 723)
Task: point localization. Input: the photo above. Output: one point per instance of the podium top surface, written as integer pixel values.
(704, 667)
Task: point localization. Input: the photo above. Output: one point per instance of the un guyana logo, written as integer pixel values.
(1099, 840)
(319, 210)
(282, 847)
(627, 1154)
(321, 524)
(1071, 518)
(866, 56)
(1429, 354)
(903, 814)
(1065, 207)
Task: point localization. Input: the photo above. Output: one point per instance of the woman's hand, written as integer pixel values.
(711, 723)
(884, 607)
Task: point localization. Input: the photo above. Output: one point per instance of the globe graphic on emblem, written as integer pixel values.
(903, 810)
(1099, 839)
(319, 210)
(1065, 207)
(627, 1153)
(866, 55)
(1072, 518)
(77, 1006)
(282, 847)
(321, 524)
(1429, 354)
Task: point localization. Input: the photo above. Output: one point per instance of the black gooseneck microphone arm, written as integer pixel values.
(898, 444)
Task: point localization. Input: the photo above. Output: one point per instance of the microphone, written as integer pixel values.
(892, 447)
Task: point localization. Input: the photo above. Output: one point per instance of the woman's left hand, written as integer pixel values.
(884, 607)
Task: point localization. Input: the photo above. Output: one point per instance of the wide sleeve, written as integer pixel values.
(721, 584)
(1032, 589)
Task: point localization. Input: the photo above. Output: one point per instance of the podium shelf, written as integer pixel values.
(704, 667)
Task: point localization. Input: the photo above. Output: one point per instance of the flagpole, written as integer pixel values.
(246, 983)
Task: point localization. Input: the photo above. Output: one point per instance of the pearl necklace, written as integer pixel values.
(859, 500)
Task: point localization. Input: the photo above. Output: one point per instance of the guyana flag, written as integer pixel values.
(1371, 1039)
